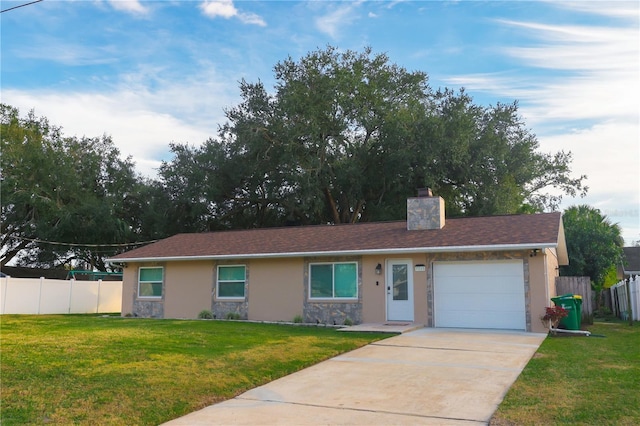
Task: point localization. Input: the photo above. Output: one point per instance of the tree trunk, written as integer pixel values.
(332, 206)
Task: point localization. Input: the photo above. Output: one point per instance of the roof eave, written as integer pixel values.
(475, 248)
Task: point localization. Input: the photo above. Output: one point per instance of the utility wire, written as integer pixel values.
(19, 6)
(57, 243)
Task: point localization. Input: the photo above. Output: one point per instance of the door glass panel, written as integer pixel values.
(400, 283)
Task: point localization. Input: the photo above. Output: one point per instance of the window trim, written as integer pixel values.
(161, 282)
(218, 281)
(333, 281)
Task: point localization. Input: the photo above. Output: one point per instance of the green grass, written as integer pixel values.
(97, 370)
(579, 380)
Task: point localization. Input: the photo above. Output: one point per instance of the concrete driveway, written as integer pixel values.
(428, 376)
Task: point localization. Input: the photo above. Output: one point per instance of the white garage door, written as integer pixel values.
(488, 294)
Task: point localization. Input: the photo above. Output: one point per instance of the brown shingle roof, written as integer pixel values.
(462, 234)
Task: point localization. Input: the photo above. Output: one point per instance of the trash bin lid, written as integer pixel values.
(564, 296)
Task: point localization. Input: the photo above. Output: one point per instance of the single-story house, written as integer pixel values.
(630, 262)
(473, 272)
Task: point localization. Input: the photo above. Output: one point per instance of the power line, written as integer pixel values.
(19, 6)
(58, 243)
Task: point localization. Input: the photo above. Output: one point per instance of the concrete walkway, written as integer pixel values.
(427, 376)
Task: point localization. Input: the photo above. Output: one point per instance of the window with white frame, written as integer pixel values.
(231, 281)
(150, 282)
(338, 280)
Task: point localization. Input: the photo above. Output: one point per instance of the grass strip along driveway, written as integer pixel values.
(579, 380)
(111, 370)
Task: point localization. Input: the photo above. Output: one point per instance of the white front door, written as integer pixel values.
(399, 282)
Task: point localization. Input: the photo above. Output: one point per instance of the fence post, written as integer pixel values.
(629, 309)
(40, 294)
(98, 302)
(73, 280)
(4, 299)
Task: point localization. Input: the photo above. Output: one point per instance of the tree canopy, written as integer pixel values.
(347, 136)
(594, 244)
(62, 190)
(342, 137)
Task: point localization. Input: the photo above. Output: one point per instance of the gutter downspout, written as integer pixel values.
(561, 330)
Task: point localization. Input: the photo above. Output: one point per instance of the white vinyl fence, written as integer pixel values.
(619, 298)
(45, 296)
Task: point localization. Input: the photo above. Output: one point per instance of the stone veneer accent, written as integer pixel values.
(475, 256)
(332, 311)
(220, 308)
(425, 213)
(148, 309)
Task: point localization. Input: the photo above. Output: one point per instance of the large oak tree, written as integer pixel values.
(347, 136)
(75, 192)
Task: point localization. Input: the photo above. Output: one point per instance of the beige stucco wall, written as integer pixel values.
(374, 292)
(129, 278)
(543, 270)
(552, 272)
(187, 288)
(276, 288)
(538, 285)
(276, 291)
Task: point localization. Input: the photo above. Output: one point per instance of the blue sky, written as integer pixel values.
(153, 72)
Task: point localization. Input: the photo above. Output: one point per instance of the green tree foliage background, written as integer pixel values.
(62, 189)
(342, 137)
(346, 137)
(594, 245)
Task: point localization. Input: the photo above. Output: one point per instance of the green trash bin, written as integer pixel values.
(578, 300)
(573, 305)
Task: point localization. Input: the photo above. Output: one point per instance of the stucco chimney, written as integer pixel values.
(425, 211)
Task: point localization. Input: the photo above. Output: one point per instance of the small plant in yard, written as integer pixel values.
(232, 316)
(553, 315)
(205, 314)
(298, 319)
(348, 322)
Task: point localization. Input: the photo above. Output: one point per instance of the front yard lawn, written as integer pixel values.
(110, 370)
(579, 380)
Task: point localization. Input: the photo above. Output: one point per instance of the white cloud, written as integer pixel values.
(71, 54)
(227, 10)
(332, 22)
(142, 113)
(394, 3)
(593, 87)
(600, 79)
(252, 18)
(222, 8)
(618, 9)
(131, 6)
(601, 151)
(136, 129)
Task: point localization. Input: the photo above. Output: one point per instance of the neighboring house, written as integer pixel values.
(631, 261)
(476, 272)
